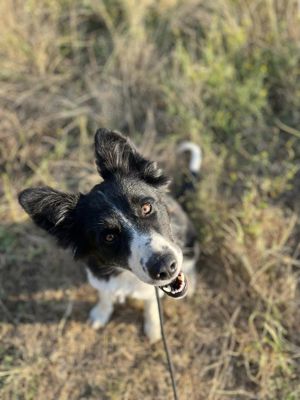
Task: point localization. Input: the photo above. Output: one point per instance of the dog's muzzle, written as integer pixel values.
(164, 267)
(177, 288)
(157, 261)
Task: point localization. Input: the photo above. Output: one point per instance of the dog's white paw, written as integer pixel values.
(99, 316)
(152, 331)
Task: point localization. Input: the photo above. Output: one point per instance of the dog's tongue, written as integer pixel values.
(177, 288)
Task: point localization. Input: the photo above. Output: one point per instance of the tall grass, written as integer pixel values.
(223, 73)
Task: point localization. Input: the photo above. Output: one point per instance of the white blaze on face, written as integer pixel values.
(143, 246)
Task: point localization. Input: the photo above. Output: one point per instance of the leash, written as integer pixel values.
(167, 351)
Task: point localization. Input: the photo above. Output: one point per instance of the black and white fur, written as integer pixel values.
(126, 252)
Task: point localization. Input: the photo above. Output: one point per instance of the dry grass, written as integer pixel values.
(225, 74)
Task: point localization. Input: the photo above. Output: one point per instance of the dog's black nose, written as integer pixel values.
(162, 266)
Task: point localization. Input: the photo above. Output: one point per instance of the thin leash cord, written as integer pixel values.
(170, 364)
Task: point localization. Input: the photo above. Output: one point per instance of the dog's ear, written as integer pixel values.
(116, 154)
(52, 211)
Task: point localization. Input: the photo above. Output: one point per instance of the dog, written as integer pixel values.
(130, 233)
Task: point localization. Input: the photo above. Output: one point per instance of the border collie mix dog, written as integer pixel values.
(129, 232)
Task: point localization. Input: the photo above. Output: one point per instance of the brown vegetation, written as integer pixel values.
(224, 74)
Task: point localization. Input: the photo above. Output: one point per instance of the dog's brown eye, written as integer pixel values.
(110, 237)
(146, 209)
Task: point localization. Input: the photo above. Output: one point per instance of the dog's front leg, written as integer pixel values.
(100, 314)
(151, 320)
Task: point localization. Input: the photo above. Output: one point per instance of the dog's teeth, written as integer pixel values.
(167, 288)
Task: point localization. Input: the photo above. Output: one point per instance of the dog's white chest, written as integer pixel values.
(126, 284)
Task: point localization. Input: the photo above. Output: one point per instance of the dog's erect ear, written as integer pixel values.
(52, 211)
(115, 154)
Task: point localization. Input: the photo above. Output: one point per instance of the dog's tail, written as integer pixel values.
(195, 162)
(195, 156)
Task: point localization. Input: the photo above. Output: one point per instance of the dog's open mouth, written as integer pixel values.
(177, 288)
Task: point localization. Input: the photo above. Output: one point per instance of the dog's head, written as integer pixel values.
(121, 223)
